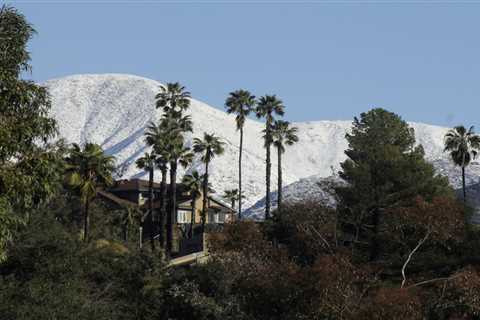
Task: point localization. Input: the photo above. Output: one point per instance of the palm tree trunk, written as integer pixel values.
(205, 196)
(163, 207)
(86, 223)
(150, 209)
(268, 171)
(172, 212)
(279, 185)
(240, 175)
(463, 186)
(192, 216)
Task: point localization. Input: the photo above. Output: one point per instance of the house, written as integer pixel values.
(136, 192)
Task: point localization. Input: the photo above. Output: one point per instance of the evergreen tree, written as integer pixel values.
(209, 147)
(240, 103)
(267, 107)
(463, 146)
(87, 170)
(283, 135)
(384, 169)
(148, 163)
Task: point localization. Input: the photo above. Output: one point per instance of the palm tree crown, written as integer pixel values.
(209, 147)
(462, 144)
(173, 98)
(241, 103)
(268, 106)
(283, 134)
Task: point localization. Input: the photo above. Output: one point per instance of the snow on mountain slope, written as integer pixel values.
(113, 110)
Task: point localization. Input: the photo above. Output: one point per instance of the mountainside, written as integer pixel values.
(113, 110)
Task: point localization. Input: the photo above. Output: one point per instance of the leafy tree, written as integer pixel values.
(209, 147)
(267, 107)
(384, 169)
(148, 163)
(283, 135)
(29, 169)
(193, 182)
(87, 170)
(463, 145)
(240, 103)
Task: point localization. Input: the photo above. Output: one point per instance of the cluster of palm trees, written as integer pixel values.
(463, 146)
(278, 133)
(169, 150)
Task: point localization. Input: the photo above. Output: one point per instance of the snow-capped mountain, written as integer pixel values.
(113, 110)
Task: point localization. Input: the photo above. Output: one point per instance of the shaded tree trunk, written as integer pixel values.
(171, 216)
(279, 185)
(86, 222)
(233, 204)
(205, 196)
(268, 172)
(163, 207)
(464, 186)
(192, 216)
(150, 209)
(240, 176)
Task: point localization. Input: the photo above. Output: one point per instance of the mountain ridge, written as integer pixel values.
(114, 109)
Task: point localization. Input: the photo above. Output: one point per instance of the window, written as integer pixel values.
(183, 216)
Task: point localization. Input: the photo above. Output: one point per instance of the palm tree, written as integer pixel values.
(463, 146)
(283, 135)
(148, 163)
(174, 100)
(269, 106)
(233, 196)
(241, 103)
(87, 170)
(194, 183)
(156, 138)
(209, 147)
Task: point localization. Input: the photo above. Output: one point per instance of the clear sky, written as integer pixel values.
(326, 60)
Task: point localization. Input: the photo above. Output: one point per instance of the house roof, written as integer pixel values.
(133, 184)
(115, 199)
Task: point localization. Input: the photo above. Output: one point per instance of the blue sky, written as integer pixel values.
(326, 60)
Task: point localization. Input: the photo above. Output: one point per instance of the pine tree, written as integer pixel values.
(384, 169)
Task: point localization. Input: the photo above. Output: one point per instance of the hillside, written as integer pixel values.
(113, 111)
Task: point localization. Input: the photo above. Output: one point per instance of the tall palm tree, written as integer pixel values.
(157, 139)
(174, 100)
(463, 145)
(193, 182)
(241, 103)
(233, 196)
(87, 170)
(268, 106)
(283, 135)
(148, 163)
(209, 147)
(179, 155)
